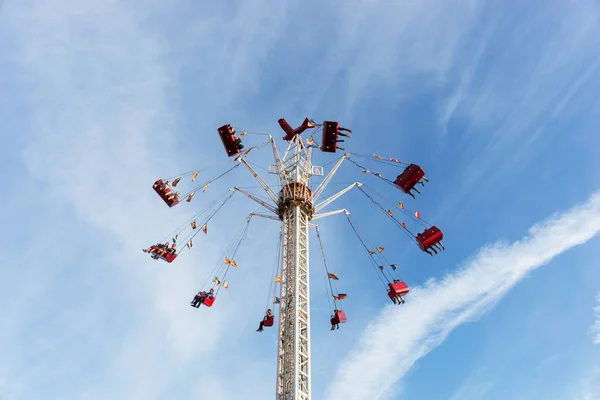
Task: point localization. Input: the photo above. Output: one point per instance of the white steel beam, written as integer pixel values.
(331, 199)
(260, 180)
(328, 214)
(330, 175)
(264, 216)
(256, 199)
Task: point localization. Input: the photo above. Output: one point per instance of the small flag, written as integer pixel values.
(194, 176)
(190, 244)
(204, 228)
(394, 266)
(378, 157)
(417, 214)
(371, 252)
(176, 181)
(193, 224)
(381, 267)
(225, 284)
(189, 198)
(390, 213)
(216, 281)
(241, 135)
(380, 249)
(278, 279)
(227, 261)
(401, 205)
(175, 238)
(204, 188)
(404, 224)
(366, 171)
(234, 264)
(378, 174)
(332, 276)
(276, 300)
(340, 296)
(394, 160)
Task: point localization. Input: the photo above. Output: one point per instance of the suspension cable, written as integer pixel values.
(237, 246)
(194, 190)
(179, 229)
(390, 161)
(326, 271)
(272, 284)
(400, 224)
(377, 174)
(197, 170)
(420, 221)
(194, 233)
(366, 248)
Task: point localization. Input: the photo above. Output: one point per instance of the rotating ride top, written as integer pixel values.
(297, 207)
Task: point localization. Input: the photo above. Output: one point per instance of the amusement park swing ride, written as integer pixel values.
(297, 207)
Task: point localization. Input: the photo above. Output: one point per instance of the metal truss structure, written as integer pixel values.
(295, 205)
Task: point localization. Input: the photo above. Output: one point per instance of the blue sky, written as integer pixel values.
(498, 102)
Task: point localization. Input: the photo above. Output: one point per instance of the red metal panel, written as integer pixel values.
(209, 302)
(429, 237)
(409, 177)
(330, 136)
(269, 321)
(226, 132)
(289, 131)
(398, 289)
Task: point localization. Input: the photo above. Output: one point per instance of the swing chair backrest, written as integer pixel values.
(330, 136)
(269, 321)
(169, 257)
(398, 289)
(166, 257)
(430, 237)
(209, 302)
(163, 190)
(227, 134)
(339, 318)
(409, 178)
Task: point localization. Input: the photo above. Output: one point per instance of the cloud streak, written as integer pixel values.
(400, 336)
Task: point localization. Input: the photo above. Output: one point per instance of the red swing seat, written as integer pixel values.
(398, 289)
(167, 257)
(429, 238)
(407, 180)
(165, 193)
(227, 135)
(209, 302)
(339, 318)
(269, 321)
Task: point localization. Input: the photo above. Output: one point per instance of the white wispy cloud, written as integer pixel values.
(102, 121)
(589, 385)
(595, 329)
(399, 337)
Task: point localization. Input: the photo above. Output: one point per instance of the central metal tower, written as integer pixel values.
(295, 207)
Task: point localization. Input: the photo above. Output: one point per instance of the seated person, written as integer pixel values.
(397, 299)
(201, 296)
(334, 319)
(198, 299)
(268, 315)
(210, 294)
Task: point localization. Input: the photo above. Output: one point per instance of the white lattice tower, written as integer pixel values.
(294, 207)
